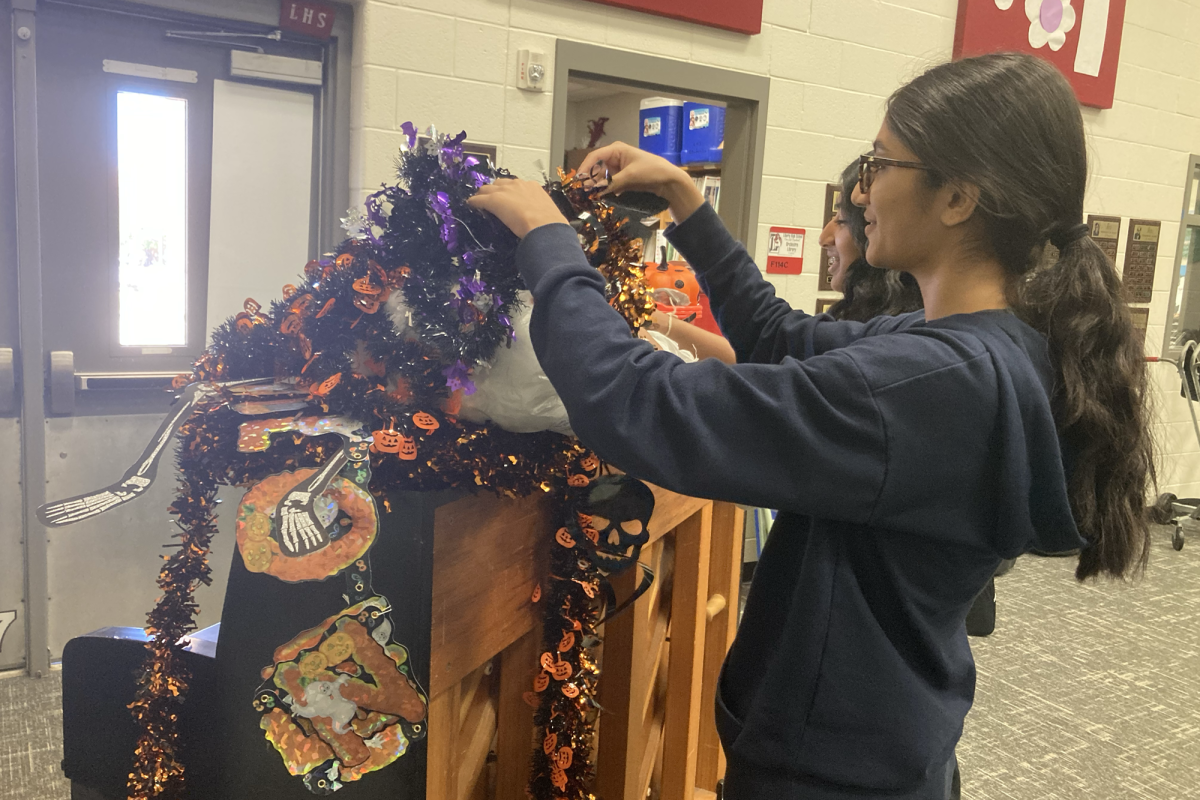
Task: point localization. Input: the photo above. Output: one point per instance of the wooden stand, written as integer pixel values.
(660, 658)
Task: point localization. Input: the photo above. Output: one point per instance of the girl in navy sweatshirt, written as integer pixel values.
(908, 455)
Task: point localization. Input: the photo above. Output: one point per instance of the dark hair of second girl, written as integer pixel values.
(869, 291)
(1010, 125)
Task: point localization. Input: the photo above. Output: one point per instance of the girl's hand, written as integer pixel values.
(631, 169)
(521, 205)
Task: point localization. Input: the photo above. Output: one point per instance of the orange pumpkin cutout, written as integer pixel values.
(590, 463)
(563, 537)
(549, 743)
(426, 422)
(305, 347)
(244, 324)
(570, 690)
(541, 682)
(585, 520)
(578, 481)
(564, 758)
(291, 325)
(558, 778)
(408, 449)
(592, 534)
(386, 441)
(364, 286)
(567, 642)
(562, 670)
(344, 260)
(369, 305)
(252, 306)
(289, 291)
(312, 269)
(537, 594)
(547, 661)
(325, 308)
(181, 380)
(327, 386)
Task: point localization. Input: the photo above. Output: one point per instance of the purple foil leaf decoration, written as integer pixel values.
(410, 131)
(459, 377)
(440, 203)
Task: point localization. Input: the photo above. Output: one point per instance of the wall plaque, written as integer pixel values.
(1141, 252)
(1105, 231)
(1141, 320)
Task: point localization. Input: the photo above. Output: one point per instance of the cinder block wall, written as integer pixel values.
(832, 64)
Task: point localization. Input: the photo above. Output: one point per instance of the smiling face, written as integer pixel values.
(904, 225)
(843, 252)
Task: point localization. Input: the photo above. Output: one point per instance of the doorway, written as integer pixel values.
(160, 177)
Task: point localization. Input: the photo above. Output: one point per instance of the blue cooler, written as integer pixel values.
(661, 127)
(703, 133)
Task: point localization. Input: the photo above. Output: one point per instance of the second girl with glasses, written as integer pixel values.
(908, 455)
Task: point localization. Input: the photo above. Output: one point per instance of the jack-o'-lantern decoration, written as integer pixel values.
(291, 325)
(344, 260)
(328, 385)
(426, 422)
(570, 690)
(578, 481)
(590, 463)
(386, 441)
(550, 743)
(325, 308)
(408, 449)
(541, 682)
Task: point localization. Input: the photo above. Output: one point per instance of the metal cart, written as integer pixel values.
(1169, 509)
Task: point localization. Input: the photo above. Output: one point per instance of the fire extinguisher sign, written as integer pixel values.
(785, 251)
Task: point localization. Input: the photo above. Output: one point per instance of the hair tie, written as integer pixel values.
(1066, 236)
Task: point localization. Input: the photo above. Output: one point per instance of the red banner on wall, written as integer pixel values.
(1080, 37)
(743, 16)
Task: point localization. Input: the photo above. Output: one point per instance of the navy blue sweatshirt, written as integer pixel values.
(906, 458)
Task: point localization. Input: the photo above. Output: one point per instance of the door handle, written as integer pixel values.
(8, 381)
(62, 382)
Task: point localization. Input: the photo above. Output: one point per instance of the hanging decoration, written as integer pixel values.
(346, 389)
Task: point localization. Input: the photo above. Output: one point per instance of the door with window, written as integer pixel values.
(175, 178)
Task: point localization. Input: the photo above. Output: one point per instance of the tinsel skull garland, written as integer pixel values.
(384, 333)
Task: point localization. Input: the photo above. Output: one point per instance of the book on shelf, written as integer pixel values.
(710, 187)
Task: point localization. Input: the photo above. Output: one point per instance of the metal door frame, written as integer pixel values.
(745, 95)
(331, 195)
(1186, 220)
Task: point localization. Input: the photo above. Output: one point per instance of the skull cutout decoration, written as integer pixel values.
(620, 508)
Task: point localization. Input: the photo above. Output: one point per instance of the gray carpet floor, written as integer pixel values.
(1085, 691)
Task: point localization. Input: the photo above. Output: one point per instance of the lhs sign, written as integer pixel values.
(311, 19)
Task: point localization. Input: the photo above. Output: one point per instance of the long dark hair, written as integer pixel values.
(1010, 125)
(869, 291)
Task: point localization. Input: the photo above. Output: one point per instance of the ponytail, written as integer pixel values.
(1101, 403)
(1010, 125)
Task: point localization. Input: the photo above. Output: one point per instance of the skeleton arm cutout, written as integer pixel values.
(137, 479)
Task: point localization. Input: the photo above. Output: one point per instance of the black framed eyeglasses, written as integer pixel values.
(869, 164)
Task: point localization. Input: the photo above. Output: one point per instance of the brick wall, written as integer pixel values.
(832, 63)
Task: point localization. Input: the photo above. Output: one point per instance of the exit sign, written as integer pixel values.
(311, 19)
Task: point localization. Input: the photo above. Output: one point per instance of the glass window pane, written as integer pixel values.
(1185, 324)
(152, 198)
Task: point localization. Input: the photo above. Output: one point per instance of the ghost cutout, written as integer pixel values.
(620, 508)
(324, 699)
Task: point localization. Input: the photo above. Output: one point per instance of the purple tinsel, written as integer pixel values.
(410, 131)
(440, 203)
(459, 377)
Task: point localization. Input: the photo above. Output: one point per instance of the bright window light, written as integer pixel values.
(152, 198)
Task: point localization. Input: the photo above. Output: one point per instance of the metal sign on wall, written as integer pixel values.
(1141, 253)
(743, 16)
(1080, 37)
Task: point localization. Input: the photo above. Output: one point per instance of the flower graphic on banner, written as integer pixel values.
(1049, 22)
